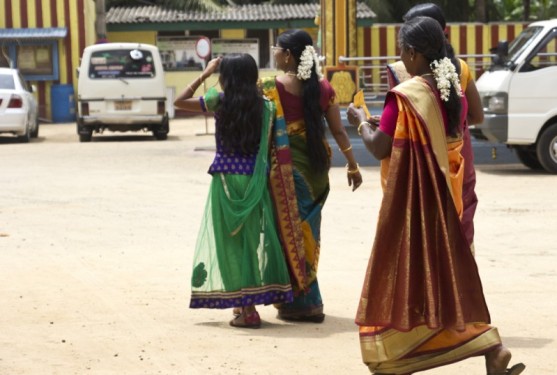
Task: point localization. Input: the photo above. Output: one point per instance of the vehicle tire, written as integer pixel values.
(85, 135)
(35, 133)
(26, 137)
(528, 157)
(161, 132)
(547, 149)
(160, 136)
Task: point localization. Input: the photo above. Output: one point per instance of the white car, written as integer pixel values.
(18, 106)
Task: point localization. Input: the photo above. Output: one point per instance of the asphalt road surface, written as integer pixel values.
(96, 249)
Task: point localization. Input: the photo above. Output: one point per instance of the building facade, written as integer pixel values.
(45, 40)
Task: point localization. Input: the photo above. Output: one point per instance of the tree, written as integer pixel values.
(526, 4)
(199, 4)
(174, 4)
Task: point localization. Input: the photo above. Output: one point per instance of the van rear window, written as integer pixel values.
(121, 63)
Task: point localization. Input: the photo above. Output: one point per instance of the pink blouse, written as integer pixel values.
(387, 124)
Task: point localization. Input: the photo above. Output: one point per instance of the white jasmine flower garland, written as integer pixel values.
(307, 60)
(445, 74)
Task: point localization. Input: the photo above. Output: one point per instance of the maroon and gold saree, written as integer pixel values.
(422, 288)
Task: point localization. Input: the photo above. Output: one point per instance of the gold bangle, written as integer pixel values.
(346, 149)
(360, 126)
(353, 171)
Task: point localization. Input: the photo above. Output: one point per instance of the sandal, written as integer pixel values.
(251, 320)
(317, 318)
(515, 370)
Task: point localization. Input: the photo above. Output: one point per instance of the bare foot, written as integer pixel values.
(497, 360)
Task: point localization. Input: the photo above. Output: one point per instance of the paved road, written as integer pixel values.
(96, 243)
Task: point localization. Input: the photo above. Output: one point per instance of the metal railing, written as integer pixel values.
(372, 75)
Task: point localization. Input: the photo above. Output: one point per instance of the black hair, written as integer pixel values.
(434, 11)
(241, 109)
(296, 41)
(425, 36)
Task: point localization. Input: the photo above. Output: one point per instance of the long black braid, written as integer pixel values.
(296, 41)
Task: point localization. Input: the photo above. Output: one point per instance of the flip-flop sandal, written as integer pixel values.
(515, 370)
(246, 321)
(317, 318)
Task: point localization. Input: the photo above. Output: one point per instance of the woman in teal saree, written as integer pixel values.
(300, 161)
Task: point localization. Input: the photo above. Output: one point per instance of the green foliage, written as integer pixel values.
(173, 4)
(514, 10)
(198, 4)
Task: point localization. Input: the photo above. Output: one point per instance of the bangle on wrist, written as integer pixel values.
(346, 149)
(353, 171)
(362, 124)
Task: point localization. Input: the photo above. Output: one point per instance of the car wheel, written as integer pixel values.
(528, 157)
(85, 136)
(161, 132)
(35, 132)
(26, 137)
(161, 136)
(547, 149)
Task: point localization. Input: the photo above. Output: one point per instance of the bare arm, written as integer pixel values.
(186, 100)
(475, 109)
(343, 141)
(377, 143)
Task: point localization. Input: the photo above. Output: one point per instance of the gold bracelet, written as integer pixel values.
(346, 149)
(353, 171)
(360, 126)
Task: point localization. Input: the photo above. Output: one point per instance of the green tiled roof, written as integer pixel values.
(245, 13)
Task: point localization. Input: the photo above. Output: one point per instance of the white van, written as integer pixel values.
(121, 88)
(519, 96)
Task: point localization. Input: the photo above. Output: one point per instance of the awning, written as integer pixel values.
(34, 33)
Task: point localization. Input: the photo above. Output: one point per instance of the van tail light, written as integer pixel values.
(16, 101)
(161, 107)
(84, 109)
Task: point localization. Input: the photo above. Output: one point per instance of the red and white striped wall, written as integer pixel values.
(466, 38)
(78, 16)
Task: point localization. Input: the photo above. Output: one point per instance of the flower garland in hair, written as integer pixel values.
(307, 60)
(445, 74)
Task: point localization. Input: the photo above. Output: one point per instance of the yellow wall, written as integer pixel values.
(233, 34)
(149, 37)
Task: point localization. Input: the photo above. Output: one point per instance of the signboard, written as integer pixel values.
(180, 53)
(221, 47)
(203, 47)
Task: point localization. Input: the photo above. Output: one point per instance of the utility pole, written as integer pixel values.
(100, 21)
(338, 30)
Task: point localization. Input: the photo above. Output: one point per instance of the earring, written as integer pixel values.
(286, 60)
(412, 59)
